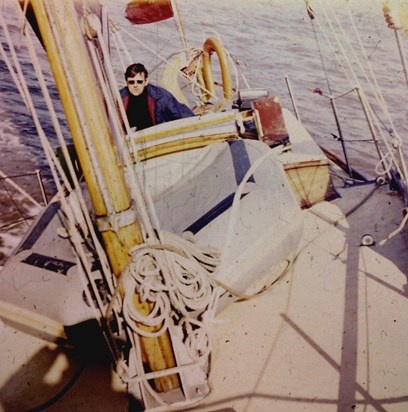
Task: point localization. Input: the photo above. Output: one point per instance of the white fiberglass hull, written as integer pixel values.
(194, 192)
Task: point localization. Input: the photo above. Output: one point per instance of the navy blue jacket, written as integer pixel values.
(163, 106)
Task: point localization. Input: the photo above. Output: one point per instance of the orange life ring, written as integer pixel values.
(213, 45)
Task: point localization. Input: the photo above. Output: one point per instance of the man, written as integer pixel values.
(147, 105)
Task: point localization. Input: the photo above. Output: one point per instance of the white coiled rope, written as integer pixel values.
(175, 278)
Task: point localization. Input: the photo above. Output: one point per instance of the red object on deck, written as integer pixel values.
(269, 121)
(148, 11)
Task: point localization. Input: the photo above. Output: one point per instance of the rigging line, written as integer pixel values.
(118, 98)
(338, 42)
(344, 53)
(368, 117)
(143, 199)
(339, 95)
(238, 69)
(169, 39)
(334, 52)
(49, 104)
(14, 203)
(396, 134)
(386, 164)
(167, 62)
(14, 76)
(15, 176)
(16, 222)
(125, 49)
(58, 131)
(25, 15)
(180, 26)
(355, 140)
(321, 57)
(377, 120)
(396, 231)
(131, 172)
(385, 141)
(56, 21)
(402, 55)
(104, 77)
(121, 48)
(8, 180)
(75, 84)
(377, 87)
(117, 48)
(344, 94)
(31, 106)
(56, 169)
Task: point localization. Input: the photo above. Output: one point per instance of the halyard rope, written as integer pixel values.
(56, 168)
(393, 157)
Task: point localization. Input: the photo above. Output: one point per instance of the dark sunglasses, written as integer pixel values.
(135, 81)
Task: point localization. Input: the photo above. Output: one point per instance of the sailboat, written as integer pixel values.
(160, 248)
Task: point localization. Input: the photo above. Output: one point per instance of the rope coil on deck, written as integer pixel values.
(175, 278)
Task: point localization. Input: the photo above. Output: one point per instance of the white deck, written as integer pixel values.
(329, 336)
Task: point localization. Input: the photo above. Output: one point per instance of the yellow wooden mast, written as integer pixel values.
(86, 115)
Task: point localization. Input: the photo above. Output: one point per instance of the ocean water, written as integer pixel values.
(270, 39)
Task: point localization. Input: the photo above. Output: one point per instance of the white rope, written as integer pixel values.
(394, 150)
(178, 299)
(17, 77)
(115, 29)
(396, 231)
(386, 165)
(76, 191)
(333, 50)
(397, 138)
(180, 27)
(402, 55)
(396, 147)
(56, 170)
(238, 71)
(19, 189)
(172, 274)
(181, 288)
(353, 81)
(133, 174)
(372, 83)
(135, 38)
(146, 275)
(88, 139)
(146, 206)
(394, 157)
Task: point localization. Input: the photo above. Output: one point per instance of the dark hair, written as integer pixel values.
(134, 69)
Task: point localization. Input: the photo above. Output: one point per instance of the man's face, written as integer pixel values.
(137, 84)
